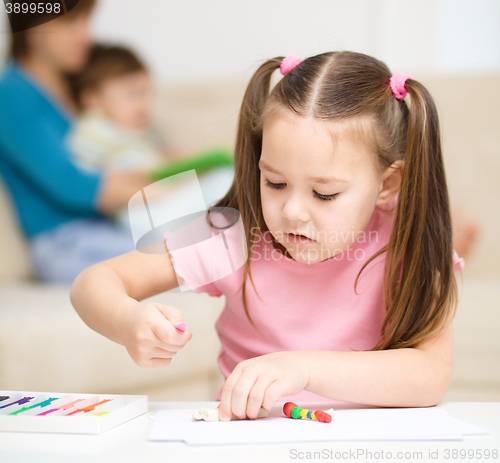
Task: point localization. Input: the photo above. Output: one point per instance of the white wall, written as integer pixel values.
(469, 35)
(193, 40)
(200, 39)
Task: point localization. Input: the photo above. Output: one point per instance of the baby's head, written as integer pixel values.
(116, 84)
(328, 144)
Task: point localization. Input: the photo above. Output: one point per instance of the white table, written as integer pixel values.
(128, 443)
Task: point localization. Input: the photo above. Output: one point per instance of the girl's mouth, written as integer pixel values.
(298, 239)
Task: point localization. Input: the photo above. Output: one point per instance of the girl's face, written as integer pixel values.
(317, 185)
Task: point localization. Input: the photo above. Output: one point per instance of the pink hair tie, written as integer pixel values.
(289, 63)
(397, 82)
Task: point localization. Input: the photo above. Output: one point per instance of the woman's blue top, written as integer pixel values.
(45, 186)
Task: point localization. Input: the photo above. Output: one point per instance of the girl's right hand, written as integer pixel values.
(150, 336)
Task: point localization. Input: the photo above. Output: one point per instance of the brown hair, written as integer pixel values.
(104, 62)
(19, 43)
(420, 288)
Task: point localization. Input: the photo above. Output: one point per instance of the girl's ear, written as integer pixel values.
(391, 182)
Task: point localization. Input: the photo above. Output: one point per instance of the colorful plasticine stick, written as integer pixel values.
(293, 411)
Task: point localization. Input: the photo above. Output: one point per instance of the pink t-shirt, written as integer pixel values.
(301, 306)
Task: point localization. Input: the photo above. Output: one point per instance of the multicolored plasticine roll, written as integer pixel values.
(293, 411)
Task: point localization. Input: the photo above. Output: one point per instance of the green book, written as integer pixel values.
(201, 162)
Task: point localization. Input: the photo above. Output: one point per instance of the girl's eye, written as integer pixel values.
(278, 186)
(326, 197)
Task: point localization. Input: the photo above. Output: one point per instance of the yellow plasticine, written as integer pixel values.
(313, 416)
(303, 413)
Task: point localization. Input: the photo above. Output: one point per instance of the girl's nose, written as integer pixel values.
(295, 209)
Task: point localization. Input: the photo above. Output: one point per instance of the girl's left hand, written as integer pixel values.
(260, 382)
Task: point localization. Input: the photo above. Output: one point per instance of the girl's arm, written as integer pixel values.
(409, 377)
(106, 296)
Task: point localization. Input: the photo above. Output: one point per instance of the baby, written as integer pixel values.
(114, 91)
(113, 133)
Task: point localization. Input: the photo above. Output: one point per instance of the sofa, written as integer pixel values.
(45, 346)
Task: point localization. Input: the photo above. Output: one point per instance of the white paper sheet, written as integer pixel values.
(377, 424)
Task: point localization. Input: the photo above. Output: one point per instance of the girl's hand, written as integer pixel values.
(150, 336)
(260, 382)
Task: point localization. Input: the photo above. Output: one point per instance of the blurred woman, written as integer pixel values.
(61, 209)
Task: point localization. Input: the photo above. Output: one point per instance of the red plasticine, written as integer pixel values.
(322, 416)
(287, 409)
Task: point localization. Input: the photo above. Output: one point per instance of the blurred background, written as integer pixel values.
(201, 55)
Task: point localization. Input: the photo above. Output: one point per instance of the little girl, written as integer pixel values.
(348, 292)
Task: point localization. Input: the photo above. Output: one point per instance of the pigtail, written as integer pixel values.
(244, 193)
(249, 138)
(420, 287)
